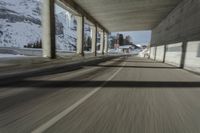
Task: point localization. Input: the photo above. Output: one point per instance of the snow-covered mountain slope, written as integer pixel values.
(27, 8)
(65, 31)
(20, 24)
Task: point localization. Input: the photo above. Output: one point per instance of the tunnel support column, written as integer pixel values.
(184, 47)
(155, 53)
(102, 42)
(165, 51)
(106, 43)
(48, 29)
(80, 35)
(94, 40)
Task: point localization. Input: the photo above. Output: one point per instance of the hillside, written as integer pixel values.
(20, 25)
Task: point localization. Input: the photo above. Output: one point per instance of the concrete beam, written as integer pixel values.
(82, 12)
(48, 29)
(94, 40)
(123, 15)
(80, 35)
(69, 9)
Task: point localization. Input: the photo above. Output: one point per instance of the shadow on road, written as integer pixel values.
(152, 67)
(142, 61)
(110, 84)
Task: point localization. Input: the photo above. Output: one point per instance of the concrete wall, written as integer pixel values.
(152, 52)
(192, 59)
(173, 54)
(160, 53)
(181, 27)
(182, 24)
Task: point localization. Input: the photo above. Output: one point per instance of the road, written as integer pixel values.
(123, 95)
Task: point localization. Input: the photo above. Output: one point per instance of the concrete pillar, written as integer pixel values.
(94, 40)
(183, 54)
(106, 43)
(150, 52)
(155, 53)
(165, 50)
(80, 35)
(102, 42)
(48, 29)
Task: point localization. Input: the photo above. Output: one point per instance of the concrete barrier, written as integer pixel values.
(21, 51)
(192, 59)
(35, 52)
(8, 51)
(173, 54)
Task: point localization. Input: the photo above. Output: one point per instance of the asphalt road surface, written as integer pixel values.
(123, 95)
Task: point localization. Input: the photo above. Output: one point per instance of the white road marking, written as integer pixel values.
(55, 119)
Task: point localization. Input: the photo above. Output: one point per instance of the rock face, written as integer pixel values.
(20, 25)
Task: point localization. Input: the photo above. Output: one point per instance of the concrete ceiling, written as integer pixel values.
(128, 15)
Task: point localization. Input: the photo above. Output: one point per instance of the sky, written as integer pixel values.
(137, 36)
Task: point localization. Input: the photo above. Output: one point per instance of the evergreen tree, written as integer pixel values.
(89, 43)
(121, 39)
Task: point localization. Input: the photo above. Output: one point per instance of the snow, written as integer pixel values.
(19, 34)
